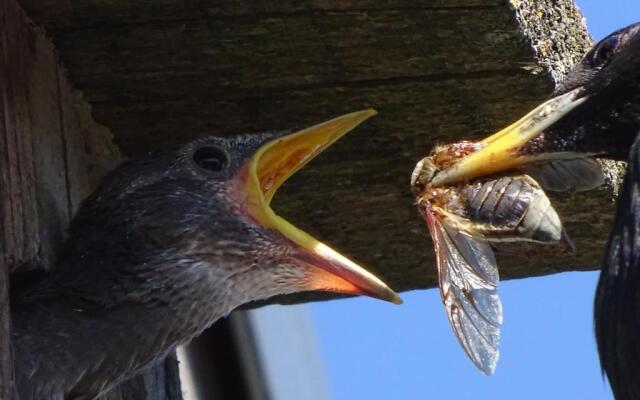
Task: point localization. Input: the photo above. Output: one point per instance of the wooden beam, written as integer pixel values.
(18, 210)
(437, 71)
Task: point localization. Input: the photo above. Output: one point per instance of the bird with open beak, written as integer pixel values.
(594, 112)
(164, 247)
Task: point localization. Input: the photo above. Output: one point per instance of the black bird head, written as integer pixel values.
(595, 111)
(200, 212)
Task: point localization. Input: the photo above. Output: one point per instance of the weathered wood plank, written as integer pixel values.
(87, 146)
(17, 194)
(52, 154)
(72, 15)
(437, 71)
(54, 209)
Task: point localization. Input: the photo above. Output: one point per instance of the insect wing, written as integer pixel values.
(572, 175)
(468, 277)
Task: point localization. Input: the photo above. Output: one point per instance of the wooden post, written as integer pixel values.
(52, 154)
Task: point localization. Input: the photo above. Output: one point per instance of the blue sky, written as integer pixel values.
(373, 350)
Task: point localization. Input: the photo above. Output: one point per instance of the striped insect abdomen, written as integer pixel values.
(512, 208)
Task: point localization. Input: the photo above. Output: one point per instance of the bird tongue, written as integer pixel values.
(268, 169)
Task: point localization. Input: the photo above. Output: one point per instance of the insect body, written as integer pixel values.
(511, 208)
(463, 220)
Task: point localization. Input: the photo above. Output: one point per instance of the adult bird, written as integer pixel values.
(594, 112)
(164, 247)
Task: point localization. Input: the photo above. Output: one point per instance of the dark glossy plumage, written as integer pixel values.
(617, 304)
(607, 124)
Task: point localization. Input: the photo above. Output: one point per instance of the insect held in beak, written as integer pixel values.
(465, 220)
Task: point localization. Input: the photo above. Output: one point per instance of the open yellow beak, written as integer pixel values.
(269, 168)
(502, 151)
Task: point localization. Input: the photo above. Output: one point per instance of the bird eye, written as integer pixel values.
(603, 52)
(210, 158)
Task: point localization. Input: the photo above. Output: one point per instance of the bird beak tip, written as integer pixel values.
(332, 272)
(396, 299)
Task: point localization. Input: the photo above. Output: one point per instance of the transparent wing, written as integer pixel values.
(573, 175)
(468, 277)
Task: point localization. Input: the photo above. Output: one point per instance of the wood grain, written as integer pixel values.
(52, 155)
(437, 71)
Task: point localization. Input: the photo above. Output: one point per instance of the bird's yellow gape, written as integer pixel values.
(270, 166)
(502, 151)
